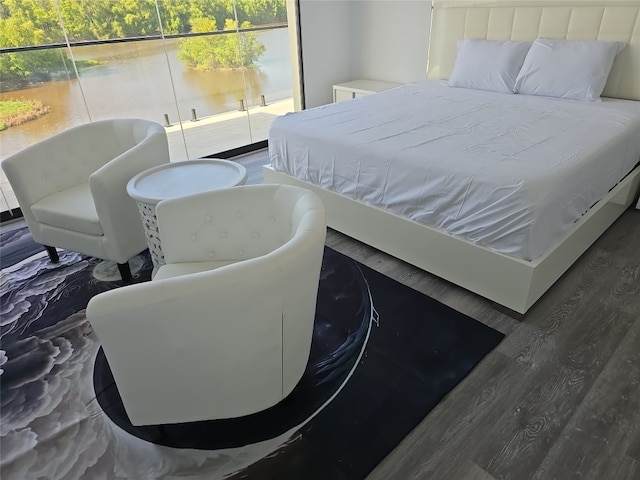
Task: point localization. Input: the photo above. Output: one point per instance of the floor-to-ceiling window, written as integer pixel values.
(214, 72)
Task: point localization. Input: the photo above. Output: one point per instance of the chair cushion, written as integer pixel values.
(70, 209)
(171, 270)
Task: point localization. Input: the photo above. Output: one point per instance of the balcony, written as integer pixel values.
(205, 112)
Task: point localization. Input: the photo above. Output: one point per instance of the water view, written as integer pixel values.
(146, 79)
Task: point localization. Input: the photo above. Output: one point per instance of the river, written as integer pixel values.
(138, 79)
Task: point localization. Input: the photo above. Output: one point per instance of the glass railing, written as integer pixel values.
(204, 112)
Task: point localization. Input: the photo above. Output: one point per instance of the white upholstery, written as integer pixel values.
(224, 328)
(71, 187)
(72, 209)
(491, 65)
(526, 20)
(574, 69)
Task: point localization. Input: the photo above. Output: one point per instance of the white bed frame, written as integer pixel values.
(511, 282)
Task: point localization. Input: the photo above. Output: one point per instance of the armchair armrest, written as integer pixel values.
(118, 213)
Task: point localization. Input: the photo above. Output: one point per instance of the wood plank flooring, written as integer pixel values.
(559, 398)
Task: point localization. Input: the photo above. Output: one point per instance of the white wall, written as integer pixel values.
(390, 39)
(325, 39)
(345, 40)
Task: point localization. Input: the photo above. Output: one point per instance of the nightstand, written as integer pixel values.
(359, 88)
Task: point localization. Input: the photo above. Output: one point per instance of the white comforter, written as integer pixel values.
(510, 172)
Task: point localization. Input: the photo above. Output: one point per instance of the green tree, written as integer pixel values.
(238, 50)
(216, 10)
(104, 19)
(29, 22)
(175, 16)
(36, 22)
(197, 52)
(260, 12)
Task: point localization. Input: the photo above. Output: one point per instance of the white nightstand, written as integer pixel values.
(359, 88)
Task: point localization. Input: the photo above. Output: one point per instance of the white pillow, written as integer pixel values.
(576, 69)
(488, 64)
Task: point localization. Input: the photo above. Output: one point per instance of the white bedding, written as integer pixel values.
(510, 172)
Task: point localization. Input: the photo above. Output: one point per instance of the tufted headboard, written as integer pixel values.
(617, 20)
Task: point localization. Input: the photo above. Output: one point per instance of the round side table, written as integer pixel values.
(178, 179)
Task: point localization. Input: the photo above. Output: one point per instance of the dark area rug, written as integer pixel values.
(383, 355)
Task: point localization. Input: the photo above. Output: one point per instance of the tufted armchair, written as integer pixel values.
(71, 187)
(224, 328)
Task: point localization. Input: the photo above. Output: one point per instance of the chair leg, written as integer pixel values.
(53, 254)
(125, 271)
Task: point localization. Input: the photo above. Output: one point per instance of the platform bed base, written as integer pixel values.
(511, 282)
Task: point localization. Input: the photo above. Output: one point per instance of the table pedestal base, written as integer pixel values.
(150, 222)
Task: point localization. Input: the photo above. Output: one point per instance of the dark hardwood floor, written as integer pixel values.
(559, 398)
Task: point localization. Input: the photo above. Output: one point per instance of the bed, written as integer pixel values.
(495, 192)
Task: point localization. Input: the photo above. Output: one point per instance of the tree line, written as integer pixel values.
(37, 22)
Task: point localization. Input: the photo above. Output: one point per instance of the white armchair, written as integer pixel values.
(71, 187)
(224, 328)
